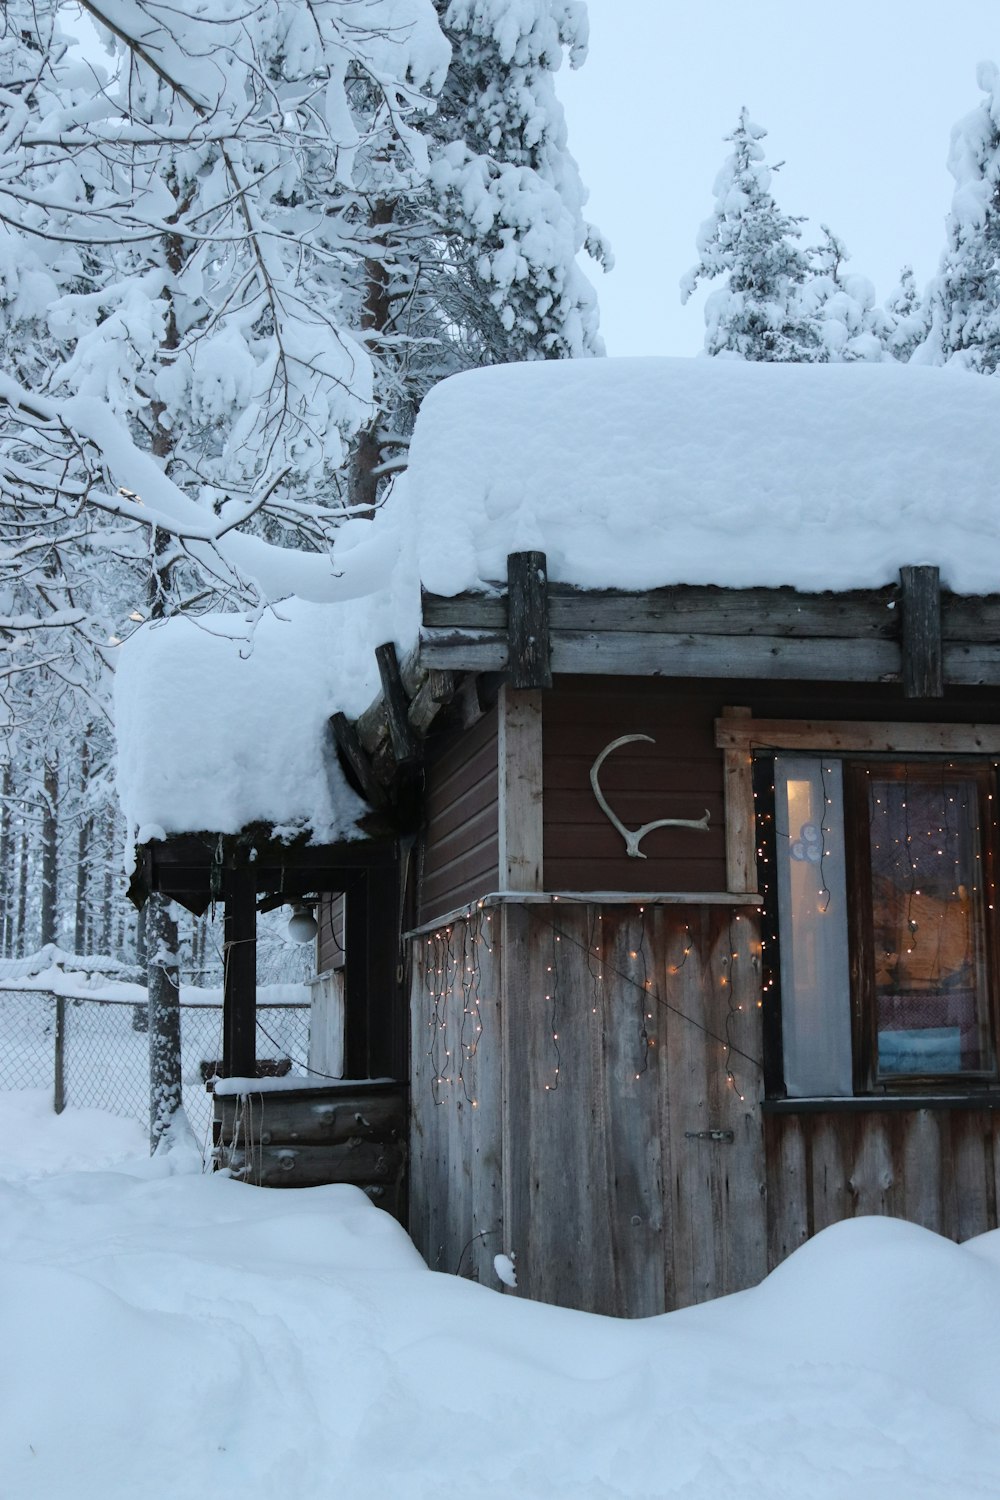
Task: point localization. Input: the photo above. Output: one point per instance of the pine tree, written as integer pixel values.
(759, 314)
(964, 298)
(479, 264)
(907, 318)
(841, 306)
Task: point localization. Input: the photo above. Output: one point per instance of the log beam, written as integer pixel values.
(528, 621)
(239, 991)
(922, 657)
(405, 747)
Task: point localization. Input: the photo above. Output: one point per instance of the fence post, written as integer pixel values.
(59, 1090)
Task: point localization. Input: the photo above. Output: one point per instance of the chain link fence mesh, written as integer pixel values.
(105, 1050)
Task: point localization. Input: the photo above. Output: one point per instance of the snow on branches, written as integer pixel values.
(964, 298)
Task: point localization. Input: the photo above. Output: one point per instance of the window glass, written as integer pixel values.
(812, 917)
(928, 907)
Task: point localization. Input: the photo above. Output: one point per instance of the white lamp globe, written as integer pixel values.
(302, 925)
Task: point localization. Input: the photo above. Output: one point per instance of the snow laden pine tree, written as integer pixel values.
(479, 266)
(907, 318)
(758, 314)
(964, 298)
(509, 192)
(841, 307)
(186, 243)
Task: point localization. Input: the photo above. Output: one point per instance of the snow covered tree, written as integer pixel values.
(228, 265)
(964, 298)
(209, 204)
(758, 314)
(841, 306)
(509, 192)
(481, 263)
(907, 318)
(183, 244)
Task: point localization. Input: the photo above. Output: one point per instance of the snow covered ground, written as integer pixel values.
(168, 1336)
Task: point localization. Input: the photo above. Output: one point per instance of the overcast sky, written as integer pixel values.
(858, 100)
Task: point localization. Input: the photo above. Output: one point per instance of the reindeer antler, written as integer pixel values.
(634, 836)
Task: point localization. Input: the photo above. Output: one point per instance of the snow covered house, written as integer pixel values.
(681, 817)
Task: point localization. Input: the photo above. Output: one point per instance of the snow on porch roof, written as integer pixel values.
(216, 731)
(637, 473)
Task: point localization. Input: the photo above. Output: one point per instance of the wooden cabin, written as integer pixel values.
(688, 893)
(651, 1060)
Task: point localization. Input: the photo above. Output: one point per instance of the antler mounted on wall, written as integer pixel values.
(634, 836)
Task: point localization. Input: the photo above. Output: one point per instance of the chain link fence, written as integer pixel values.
(93, 1052)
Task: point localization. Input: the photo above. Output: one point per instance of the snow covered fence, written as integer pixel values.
(93, 1050)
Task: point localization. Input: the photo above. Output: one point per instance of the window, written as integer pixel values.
(879, 884)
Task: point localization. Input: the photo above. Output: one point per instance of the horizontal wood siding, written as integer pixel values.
(682, 774)
(677, 777)
(935, 1167)
(460, 854)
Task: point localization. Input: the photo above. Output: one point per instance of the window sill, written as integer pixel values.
(881, 1103)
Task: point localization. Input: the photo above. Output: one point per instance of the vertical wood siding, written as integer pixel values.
(581, 1152)
(935, 1167)
(460, 843)
(569, 1130)
(455, 1103)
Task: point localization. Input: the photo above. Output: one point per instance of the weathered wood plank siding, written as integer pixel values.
(455, 1097)
(935, 1167)
(572, 1134)
(460, 852)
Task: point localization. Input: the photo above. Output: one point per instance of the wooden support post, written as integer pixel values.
(741, 829)
(922, 665)
(351, 749)
(357, 978)
(528, 620)
(239, 992)
(520, 789)
(405, 747)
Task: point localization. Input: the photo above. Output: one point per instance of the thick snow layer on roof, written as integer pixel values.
(635, 473)
(630, 473)
(216, 732)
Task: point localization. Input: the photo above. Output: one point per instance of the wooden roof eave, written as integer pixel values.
(192, 868)
(911, 632)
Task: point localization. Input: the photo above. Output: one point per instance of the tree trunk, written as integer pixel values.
(50, 855)
(82, 852)
(6, 864)
(165, 1103)
(21, 916)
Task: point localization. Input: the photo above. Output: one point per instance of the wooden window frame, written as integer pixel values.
(861, 936)
(749, 745)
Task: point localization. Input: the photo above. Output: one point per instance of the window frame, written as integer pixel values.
(860, 925)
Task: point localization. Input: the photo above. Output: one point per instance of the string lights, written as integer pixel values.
(453, 965)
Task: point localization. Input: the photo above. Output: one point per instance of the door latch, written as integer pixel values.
(727, 1137)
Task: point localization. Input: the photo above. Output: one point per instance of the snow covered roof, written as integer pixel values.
(637, 473)
(216, 731)
(633, 474)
